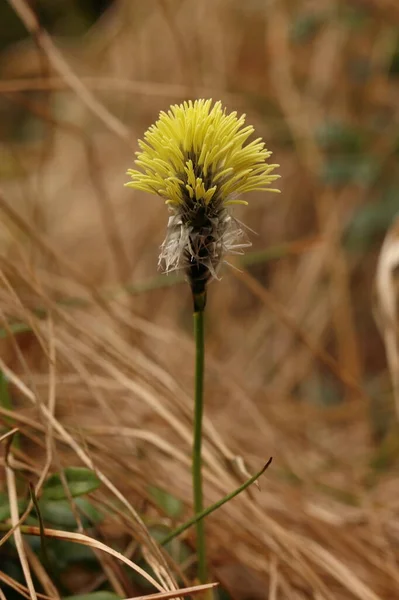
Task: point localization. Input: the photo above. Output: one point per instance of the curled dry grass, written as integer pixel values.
(106, 381)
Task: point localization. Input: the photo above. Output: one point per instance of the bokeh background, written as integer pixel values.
(296, 368)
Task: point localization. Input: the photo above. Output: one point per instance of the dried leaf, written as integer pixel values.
(387, 303)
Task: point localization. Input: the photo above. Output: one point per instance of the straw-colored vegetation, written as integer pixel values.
(96, 349)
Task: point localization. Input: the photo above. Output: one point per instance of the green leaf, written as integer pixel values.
(394, 66)
(6, 402)
(344, 496)
(305, 26)
(372, 220)
(5, 398)
(354, 17)
(171, 506)
(387, 455)
(4, 507)
(63, 554)
(338, 135)
(80, 481)
(94, 596)
(14, 328)
(59, 512)
(344, 169)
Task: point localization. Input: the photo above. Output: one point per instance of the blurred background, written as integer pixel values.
(296, 368)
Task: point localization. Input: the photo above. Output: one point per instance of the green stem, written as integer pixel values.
(215, 506)
(199, 306)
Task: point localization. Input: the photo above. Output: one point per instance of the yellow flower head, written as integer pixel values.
(195, 158)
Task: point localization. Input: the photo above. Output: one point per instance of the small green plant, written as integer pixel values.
(196, 159)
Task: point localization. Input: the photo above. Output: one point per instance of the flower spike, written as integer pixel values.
(196, 158)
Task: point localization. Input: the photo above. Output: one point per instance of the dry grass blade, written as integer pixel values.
(387, 305)
(19, 543)
(8, 434)
(286, 318)
(51, 406)
(58, 427)
(85, 540)
(274, 579)
(192, 591)
(19, 588)
(340, 571)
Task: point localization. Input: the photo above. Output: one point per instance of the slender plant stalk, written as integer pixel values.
(207, 511)
(199, 310)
